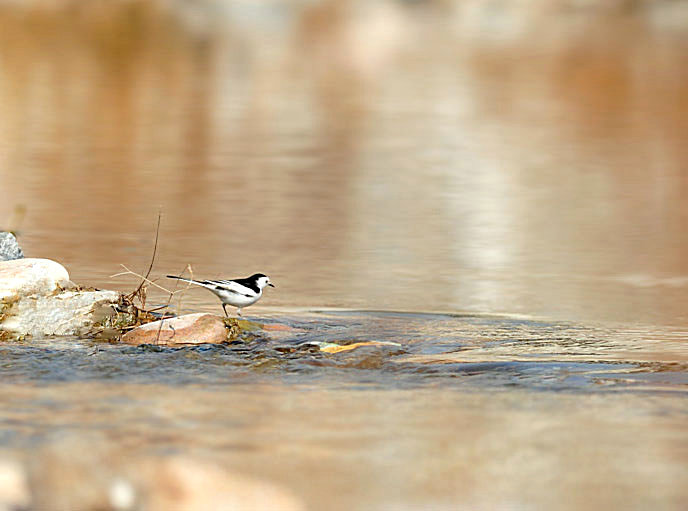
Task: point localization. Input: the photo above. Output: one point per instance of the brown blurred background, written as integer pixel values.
(487, 156)
(499, 156)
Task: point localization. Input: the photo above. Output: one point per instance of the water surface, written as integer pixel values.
(497, 193)
(452, 411)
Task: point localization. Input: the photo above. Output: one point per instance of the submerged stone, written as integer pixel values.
(330, 347)
(199, 328)
(9, 248)
(86, 472)
(182, 484)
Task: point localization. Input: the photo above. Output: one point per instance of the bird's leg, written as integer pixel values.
(224, 308)
(238, 311)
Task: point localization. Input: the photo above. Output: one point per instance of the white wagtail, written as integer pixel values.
(237, 292)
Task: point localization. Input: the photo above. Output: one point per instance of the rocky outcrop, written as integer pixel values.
(197, 328)
(38, 299)
(9, 248)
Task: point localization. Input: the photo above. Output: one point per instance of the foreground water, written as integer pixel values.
(454, 411)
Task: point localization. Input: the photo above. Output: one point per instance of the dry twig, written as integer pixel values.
(141, 314)
(150, 266)
(169, 299)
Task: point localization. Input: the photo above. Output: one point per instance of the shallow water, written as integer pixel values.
(456, 411)
(518, 172)
(412, 351)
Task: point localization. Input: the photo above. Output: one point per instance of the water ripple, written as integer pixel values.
(414, 349)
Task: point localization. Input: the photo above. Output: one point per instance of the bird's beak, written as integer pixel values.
(271, 284)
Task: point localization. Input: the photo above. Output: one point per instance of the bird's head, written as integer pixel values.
(262, 280)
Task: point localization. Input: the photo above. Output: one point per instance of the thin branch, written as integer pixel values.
(145, 279)
(155, 250)
(169, 300)
(154, 309)
(188, 285)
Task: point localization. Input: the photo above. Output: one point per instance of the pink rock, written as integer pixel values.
(197, 328)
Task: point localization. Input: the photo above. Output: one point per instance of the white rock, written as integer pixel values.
(27, 277)
(67, 313)
(32, 300)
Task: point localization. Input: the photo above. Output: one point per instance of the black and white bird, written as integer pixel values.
(239, 293)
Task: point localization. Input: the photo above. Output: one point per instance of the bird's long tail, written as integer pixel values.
(197, 282)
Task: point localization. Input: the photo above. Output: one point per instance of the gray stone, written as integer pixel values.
(9, 248)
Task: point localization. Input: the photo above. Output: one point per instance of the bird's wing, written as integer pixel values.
(232, 287)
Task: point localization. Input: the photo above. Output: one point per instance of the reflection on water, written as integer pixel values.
(527, 158)
(528, 161)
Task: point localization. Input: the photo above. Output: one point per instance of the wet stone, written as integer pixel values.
(9, 248)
